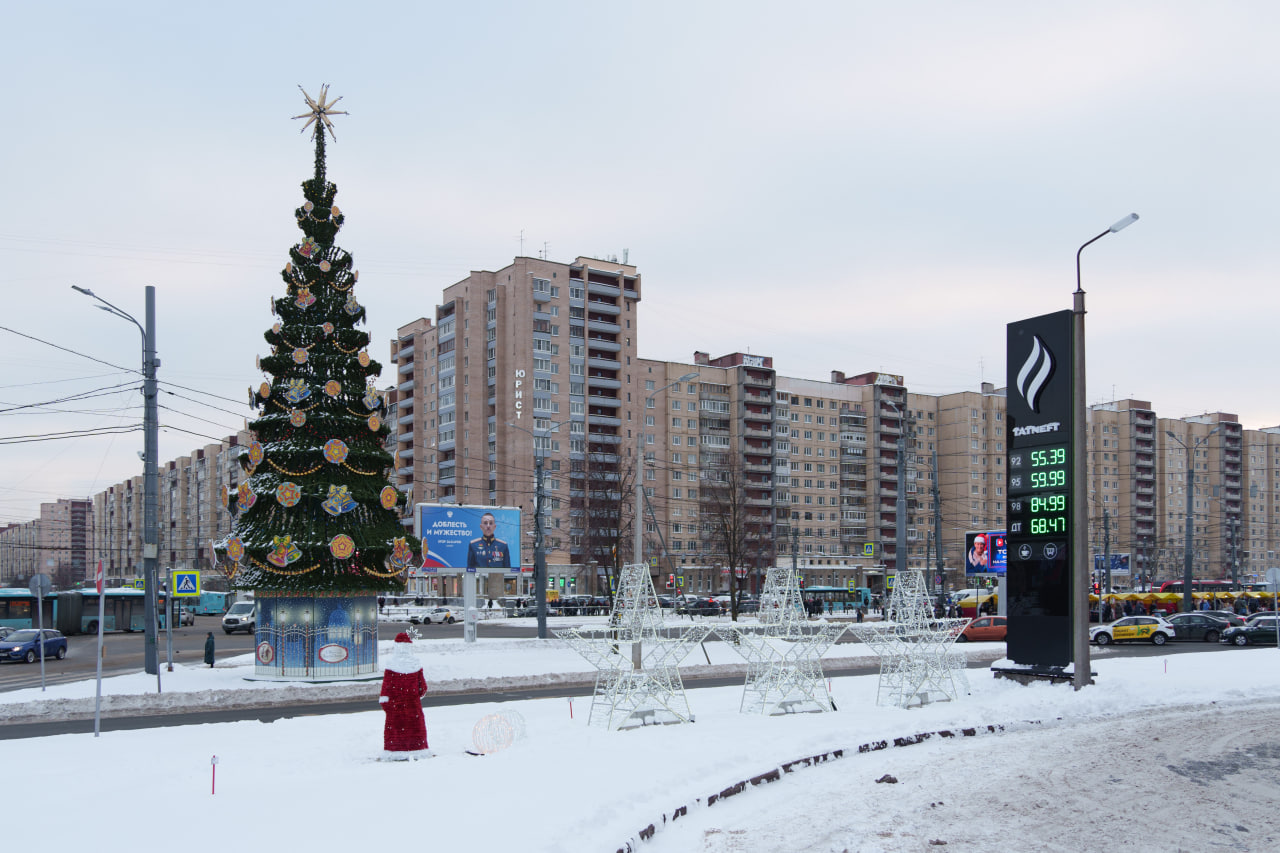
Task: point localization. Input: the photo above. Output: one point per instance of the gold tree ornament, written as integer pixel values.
(321, 109)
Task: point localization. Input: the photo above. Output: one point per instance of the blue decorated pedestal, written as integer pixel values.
(316, 637)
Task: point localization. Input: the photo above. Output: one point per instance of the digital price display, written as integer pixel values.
(1040, 422)
(1038, 497)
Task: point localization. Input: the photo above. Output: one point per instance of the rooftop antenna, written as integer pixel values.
(522, 242)
(625, 254)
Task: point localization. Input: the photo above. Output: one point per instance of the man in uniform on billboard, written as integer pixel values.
(488, 552)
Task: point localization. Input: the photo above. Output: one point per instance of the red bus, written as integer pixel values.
(1197, 586)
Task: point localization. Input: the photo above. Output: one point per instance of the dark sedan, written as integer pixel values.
(1197, 626)
(700, 607)
(1260, 632)
(25, 645)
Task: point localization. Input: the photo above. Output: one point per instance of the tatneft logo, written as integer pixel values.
(1035, 373)
(1036, 428)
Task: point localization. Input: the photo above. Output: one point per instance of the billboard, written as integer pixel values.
(457, 538)
(1119, 564)
(985, 552)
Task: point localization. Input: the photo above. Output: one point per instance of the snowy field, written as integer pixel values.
(1170, 753)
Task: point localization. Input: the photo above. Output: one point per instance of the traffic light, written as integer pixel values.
(671, 581)
(1097, 588)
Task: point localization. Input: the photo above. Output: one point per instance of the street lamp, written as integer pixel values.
(1081, 570)
(1187, 604)
(539, 549)
(150, 466)
(900, 507)
(637, 547)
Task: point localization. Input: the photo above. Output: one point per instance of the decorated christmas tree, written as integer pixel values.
(316, 515)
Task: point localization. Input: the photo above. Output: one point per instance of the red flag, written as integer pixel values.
(97, 578)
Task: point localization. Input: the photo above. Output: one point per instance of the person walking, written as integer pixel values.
(208, 650)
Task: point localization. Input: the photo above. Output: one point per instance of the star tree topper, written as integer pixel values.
(321, 109)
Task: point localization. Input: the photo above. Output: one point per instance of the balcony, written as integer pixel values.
(603, 418)
(609, 402)
(603, 344)
(603, 437)
(603, 382)
(405, 386)
(405, 352)
(757, 433)
(603, 362)
(405, 369)
(406, 419)
(599, 289)
(405, 454)
(603, 307)
(595, 325)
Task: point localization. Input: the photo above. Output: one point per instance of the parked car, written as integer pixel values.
(5, 631)
(984, 629)
(1197, 626)
(700, 607)
(1228, 616)
(1131, 628)
(436, 614)
(1260, 632)
(24, 644)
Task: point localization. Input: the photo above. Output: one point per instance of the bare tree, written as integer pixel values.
(736, 515)
(606, 511)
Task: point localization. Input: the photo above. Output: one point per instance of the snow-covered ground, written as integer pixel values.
(1179, 752)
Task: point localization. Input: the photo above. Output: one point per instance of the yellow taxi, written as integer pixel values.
(1151, 629)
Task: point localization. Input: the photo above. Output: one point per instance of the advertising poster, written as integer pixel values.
(460, 538)
(985, 553)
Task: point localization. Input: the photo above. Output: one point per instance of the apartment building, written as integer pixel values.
(56, 544)
(190, 513)
(532, 360)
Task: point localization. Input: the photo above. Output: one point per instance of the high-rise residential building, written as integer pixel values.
(189, 515)
(535, 359)
(57, 544)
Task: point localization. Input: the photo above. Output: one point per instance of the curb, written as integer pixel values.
(633, 843)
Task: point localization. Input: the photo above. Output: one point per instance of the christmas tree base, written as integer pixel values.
(316, 636)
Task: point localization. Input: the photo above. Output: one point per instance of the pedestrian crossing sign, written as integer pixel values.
(186, 583)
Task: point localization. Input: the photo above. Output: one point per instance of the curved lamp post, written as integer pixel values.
(150, 467)
(1189, 543)
(637, 548)
(539, 550)
(1082, 569)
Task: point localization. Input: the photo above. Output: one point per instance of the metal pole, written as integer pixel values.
(937, 534)
(1106, 551)
(1080, 569)
(539, 553)
(637, 545)
(151, 484)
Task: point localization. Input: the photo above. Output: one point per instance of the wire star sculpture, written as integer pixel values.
(917, 662)
(637, 658)
(784, 666)
(320, 112)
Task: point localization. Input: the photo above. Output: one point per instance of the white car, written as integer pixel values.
(435, 614)
(1133, 628)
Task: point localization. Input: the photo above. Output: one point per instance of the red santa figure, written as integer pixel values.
(403, 687)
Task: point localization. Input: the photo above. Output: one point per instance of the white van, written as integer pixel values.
(242, 616)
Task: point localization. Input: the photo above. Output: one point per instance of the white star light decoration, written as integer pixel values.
(784, 656)
(321, 109)
(917, 662)
(638, 677)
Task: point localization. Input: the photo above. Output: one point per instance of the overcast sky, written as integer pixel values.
(841, 185)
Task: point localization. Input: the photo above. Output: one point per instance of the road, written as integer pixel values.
(123, 652)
